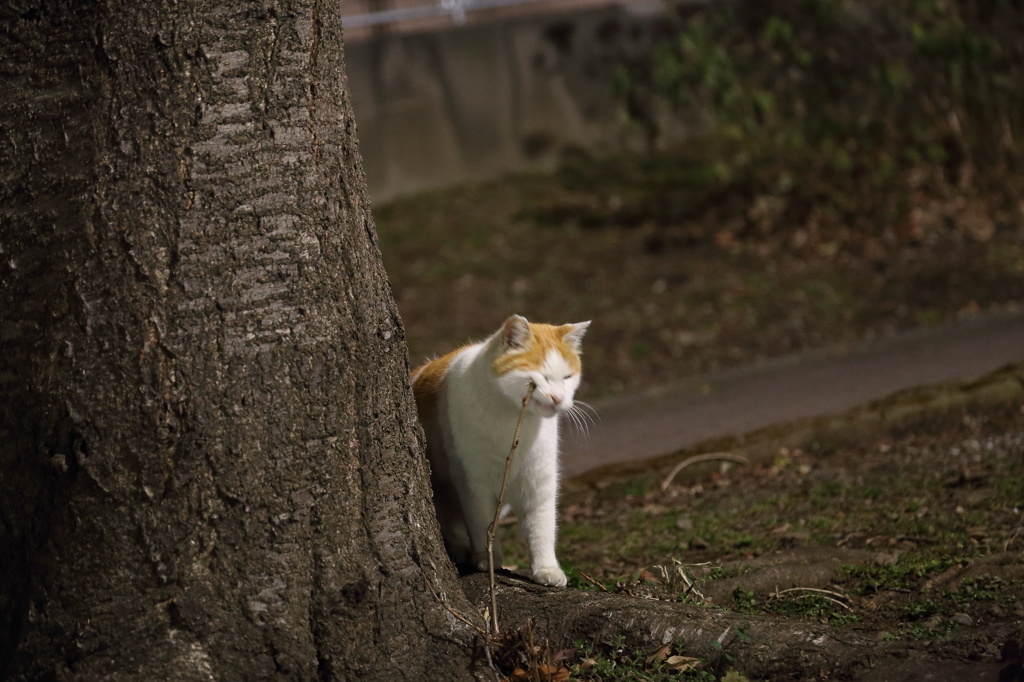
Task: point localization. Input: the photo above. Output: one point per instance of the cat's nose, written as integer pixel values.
(556, 399)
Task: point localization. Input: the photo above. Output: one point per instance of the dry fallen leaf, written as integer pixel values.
(649, 577)
(683, 663)
(553, 673)
(518, 675)
(660, 654)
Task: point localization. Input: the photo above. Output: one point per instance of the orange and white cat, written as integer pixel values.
(469, 402)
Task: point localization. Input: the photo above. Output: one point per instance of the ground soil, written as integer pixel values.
(944, 491)
(908, 536)
(911, 534)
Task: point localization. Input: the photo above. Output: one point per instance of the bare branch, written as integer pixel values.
(697, 459)
(592, 581)
(497, 511)
(826, 594)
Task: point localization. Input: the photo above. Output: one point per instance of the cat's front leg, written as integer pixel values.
(478, 516)
(481, 557)
(481, 554)
(536, 508)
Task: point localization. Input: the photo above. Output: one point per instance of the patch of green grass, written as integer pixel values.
(796, 604)
(920, 609)
(821, 523)
(913, 505)
(745, 601)
(1009, 488)
(920, 631)
(724, 531)
(584, 533)
(903, 574)
(869, 492)
(810, 605)
(825, 446)
(634, 487)
(648, 545)
(842, 617)
(616, 662)
(985, 588)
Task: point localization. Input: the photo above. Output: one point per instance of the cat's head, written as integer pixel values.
(547, 355)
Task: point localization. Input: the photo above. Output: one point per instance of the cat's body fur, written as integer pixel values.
(469, 402)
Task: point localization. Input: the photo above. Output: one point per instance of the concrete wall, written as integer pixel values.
(474, 102)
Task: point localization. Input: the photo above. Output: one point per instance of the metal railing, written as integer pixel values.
(456, 9)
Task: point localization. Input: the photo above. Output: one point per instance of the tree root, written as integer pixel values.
(756, 645)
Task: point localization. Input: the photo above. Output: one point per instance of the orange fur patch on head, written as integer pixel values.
(543, 338)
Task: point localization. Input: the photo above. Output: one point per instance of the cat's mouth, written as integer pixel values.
(545, 409)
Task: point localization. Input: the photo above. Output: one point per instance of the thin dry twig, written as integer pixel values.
(532, 653)
(592, 581)
(697, 459)
(497, 510)
(668, 578)
(691, 584)
(828, 595)
(1006, 545)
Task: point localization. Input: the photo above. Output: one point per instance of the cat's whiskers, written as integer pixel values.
(580, 418)
(588, 411)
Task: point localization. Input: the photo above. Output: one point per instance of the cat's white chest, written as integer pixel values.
(483, 420)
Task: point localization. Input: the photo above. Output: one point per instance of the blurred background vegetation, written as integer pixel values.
(856, 171)
(817, 107)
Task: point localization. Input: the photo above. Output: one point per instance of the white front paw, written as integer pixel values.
(552, 576)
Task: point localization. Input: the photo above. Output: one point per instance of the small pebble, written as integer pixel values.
(962, 619)
(886, 558)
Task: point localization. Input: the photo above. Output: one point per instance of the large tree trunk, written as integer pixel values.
(209, 461)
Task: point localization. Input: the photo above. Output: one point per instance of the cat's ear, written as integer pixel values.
(574, 337)
(515, 333)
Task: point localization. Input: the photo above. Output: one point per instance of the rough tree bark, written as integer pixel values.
(209, 463)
